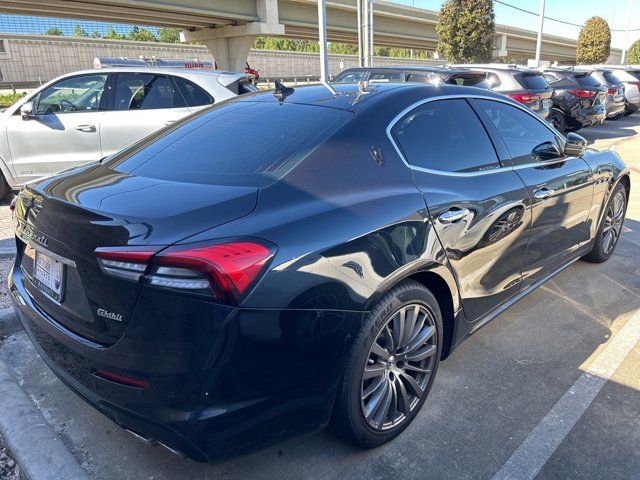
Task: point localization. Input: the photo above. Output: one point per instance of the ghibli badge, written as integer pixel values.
(110, 315)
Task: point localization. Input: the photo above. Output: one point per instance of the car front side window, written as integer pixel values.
(525, 136)
(76, 94)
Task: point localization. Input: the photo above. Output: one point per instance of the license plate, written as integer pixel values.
(546, 104)
(48, 275)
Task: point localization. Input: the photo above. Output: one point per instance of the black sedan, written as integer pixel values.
(295, 259)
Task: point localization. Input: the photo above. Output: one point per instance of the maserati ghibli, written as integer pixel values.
(291, 260)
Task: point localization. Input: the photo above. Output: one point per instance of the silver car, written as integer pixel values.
(85, 116)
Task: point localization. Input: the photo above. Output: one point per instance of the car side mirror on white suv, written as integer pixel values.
(27, 111)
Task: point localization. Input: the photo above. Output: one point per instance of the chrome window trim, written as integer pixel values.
(498, 169)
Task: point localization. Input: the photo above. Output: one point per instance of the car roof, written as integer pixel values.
(184, 72)
(352, 97)
(503, 67)
(415, 68)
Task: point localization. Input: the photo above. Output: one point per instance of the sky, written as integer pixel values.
(574, 11)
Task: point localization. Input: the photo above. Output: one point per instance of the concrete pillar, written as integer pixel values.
(230, 44)
(230, 53)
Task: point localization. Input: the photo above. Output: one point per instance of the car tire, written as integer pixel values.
(5, 189)
(558, 120)
(369, 376)
(610, 227)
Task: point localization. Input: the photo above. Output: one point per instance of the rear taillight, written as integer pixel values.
(128, 263)
(524, 97)
(612, 91)
(225, 270)
(582, 93)
(638, 85)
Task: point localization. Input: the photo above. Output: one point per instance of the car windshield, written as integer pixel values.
(349, 76)
(237, 143)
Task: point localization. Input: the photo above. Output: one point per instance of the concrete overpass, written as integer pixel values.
(229, 28)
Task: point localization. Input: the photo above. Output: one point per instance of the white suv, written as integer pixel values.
(85, 116)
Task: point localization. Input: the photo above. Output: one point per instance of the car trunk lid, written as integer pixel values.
(62, 221)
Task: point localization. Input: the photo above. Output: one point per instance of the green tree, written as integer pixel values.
(169, 35)
(54, 31)
(141, 35)
(594, 41)
(113, 35)
(633, 54)
(78, 31)
(466, 29)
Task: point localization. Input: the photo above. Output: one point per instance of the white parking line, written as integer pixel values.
(537, 448)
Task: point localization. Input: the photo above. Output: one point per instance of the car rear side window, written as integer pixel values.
(520, 131)
(534, 82)
(445, 135)
(193, 94)
(237, 143)
(349, 76)
(145, 91)
(387, 77)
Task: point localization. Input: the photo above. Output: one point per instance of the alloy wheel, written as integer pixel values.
(613, 223)
(399, 365)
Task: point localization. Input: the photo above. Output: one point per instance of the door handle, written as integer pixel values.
(543, 193)
(86, 128)
(451, 216)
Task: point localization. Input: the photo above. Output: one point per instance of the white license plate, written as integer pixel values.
(49, 275)
(546, 103)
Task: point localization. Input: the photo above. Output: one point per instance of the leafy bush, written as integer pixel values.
(633, 54)
(594, 41)
(9, 99)
(466, 29)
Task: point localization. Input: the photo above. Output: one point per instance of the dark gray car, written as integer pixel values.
(411, 73)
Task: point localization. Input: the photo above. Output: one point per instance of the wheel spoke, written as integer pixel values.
(389, 338)
(412, 384)
(375, 385)
(398, 326)
(410, 323)
(377, 399)
(421, 354)
(413, 368)
(423, 336)
(403, 397)
(375, 370)
(385, 404)
(376, 349)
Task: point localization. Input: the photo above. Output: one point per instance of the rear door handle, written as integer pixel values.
(451, 216)
(543, 193)
(86, 128)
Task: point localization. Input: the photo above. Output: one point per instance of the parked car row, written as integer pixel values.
(570, 98)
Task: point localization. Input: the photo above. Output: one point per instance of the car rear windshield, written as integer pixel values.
(467, 79)
(237, 143)
(586, 80)
(610, 77)
(534, 82)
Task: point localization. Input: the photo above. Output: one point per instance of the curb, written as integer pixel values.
(35, 446)
(7, 252)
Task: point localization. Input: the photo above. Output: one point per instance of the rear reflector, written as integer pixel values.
(524, 97)
(582, 93)
(121, 379)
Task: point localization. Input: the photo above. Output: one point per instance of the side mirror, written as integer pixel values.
(546, 151)
(575, 145)
(27, 111)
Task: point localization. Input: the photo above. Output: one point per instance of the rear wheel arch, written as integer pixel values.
(445, 291)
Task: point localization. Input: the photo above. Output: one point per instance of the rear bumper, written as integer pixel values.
(589, 116)
(218, 385)
(615, 109)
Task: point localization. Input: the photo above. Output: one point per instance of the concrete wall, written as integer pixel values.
(39, 58)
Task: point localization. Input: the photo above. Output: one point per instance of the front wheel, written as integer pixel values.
(391, 367)
(610, 228)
